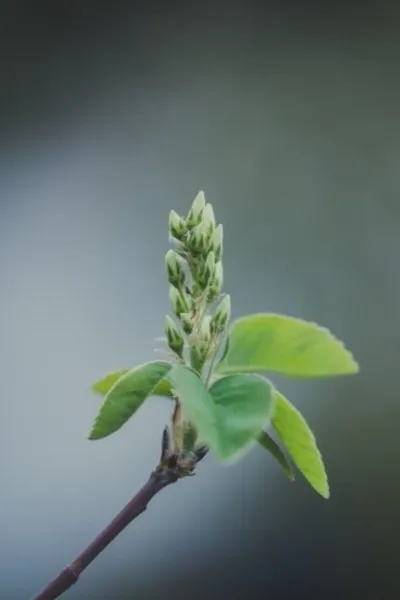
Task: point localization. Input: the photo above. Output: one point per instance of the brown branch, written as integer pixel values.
(171, 468)
(158, 480)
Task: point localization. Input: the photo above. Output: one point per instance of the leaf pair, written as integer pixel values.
(231, 414)
(224, 417)
(239, 404)
(295, 348)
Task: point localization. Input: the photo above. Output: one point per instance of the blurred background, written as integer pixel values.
(287, 116)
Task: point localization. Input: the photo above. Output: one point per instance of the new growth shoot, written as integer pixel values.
(221, 401)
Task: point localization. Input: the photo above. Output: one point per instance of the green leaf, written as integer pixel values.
(272, 447)
(300, 442)
(225, 348)
(126, 396)
(244, 405)
(104, 385)
(270, 342)
(196, 402)
(163, 388)
(230, 415)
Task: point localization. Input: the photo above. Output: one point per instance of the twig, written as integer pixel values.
(171, 467)
(158, 480)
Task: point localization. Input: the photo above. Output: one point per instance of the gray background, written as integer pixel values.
(288, 118)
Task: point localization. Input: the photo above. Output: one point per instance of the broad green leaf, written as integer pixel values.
(270, 342)
(244, 404)
(230, 415)
(196, 402)
(300, 442)
(272, 447)
(104, 385)
(126, 396)
(163, 388)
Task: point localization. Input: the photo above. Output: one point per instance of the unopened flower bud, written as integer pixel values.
(212, 294)
(217, 241)
(198, 354)
(222, 315)
(218, 276)
(186, 322)
(205, 330)
(174, 338)
(208, 216)
(209, 267)
(200, 238)
(215, 289)
(194, 216)
(178, 301)
(173, 262)
(177, 226)
(196, 291)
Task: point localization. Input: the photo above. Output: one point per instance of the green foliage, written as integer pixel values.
(163, 388)
(272, 447)
(127, 395)
(224, 417)
(225, 403)
(244, 404)
(104, 385)
(300, 442)
(293, 347)
(196, 403)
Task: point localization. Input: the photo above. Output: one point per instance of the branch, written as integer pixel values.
(158, 480)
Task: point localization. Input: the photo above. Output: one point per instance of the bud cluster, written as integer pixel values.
(195, 274)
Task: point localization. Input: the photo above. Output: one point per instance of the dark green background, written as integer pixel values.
(287, 116)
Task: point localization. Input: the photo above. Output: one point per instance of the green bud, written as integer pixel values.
(205, 330)
(209, 267)
(215, 288)
(205, 274)
(200, 238)
(187, 323)
(196, 292)
(178, 301)
(222, 315)
(198, 355)
(177, 226)
(208, 221)
(174, 338)
(212, 294)
(217, 241)
(208, 216)
(218, 276)
(194, 216)
(173, 262)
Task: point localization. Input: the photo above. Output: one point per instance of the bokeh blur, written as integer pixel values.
(287, 116)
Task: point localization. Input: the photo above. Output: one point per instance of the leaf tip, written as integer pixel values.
(94, 434)
(323, 488)
(326, 493)
(354, 365)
